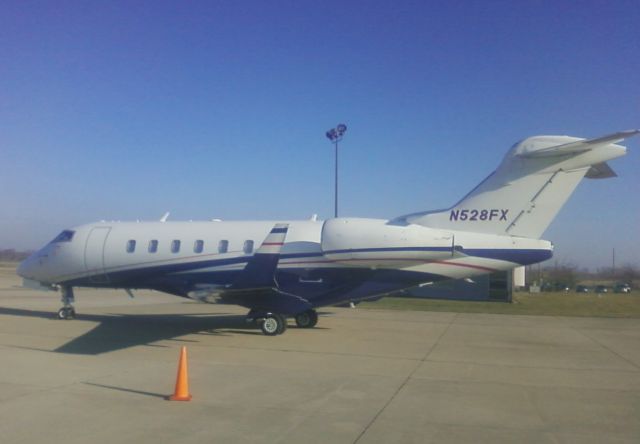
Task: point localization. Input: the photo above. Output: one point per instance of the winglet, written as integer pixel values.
(274, 241)
(261, 268)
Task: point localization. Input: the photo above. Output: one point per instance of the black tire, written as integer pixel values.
(307, 319)
(66, 313)
(283, 325)
(273, 324)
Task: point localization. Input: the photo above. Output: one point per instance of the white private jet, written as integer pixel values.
(301, 265)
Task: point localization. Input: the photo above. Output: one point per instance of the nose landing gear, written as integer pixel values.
(67, 311)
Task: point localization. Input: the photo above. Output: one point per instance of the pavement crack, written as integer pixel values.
(609, 349)
(406, 380)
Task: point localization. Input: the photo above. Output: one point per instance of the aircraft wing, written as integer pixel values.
(266, 299)
(581, 145)
(256, 285)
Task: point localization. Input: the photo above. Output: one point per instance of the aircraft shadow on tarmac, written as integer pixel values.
(116, 332)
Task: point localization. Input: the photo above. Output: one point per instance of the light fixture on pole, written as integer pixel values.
(335, 136)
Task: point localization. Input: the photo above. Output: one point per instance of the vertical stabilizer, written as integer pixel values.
(524, 194)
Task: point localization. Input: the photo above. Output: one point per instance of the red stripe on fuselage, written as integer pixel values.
(456, 264)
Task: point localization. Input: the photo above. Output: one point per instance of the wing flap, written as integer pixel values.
(267, 299)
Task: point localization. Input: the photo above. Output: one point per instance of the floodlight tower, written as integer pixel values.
(335, 136)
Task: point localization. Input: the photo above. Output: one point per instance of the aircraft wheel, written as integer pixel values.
(307, 319)
(273, 324)
(283, 326)
(66, 313)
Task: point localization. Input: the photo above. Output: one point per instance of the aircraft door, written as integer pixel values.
(94, 254)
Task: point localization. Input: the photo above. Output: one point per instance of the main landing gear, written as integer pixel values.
(307, 319)
(273, 324)
(67, 311)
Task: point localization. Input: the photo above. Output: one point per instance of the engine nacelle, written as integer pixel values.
(375, 242)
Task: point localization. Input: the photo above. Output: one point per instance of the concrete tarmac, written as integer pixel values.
(361, 376)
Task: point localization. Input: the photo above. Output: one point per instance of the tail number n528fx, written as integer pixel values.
(475, 215)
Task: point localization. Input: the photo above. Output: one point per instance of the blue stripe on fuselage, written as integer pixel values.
(521, 257)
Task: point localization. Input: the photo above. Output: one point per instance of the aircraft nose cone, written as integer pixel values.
(23, 268)
(26, 268)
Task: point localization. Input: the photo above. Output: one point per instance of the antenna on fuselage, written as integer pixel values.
(165, 217)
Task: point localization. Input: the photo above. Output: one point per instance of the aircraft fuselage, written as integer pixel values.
(324, 262)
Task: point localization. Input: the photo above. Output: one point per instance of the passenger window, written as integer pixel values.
(131, 246)
(175, 246)
(248, 246)
(153, 246)
(198, 246)
(223, 246)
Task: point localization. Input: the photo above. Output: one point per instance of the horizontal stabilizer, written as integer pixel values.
(578, 146)
(600, 171)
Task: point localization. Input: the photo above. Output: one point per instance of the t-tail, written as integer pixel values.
(524, 194)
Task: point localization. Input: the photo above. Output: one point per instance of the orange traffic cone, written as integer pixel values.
(181, 392)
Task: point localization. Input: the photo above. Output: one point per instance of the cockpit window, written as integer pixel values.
(65, 236)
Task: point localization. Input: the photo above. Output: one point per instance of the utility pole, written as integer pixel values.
(335, 136)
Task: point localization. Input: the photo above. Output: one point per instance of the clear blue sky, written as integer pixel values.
(125, 110)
